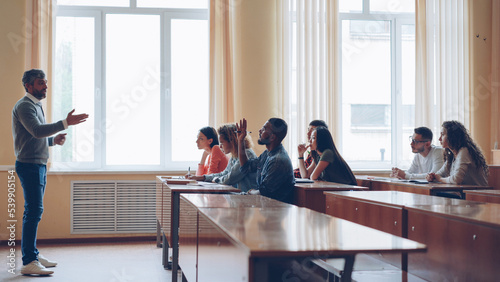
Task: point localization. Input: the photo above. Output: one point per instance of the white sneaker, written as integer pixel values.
(35, 267)
(46, 262)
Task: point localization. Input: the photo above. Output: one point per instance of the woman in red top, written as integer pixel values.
(213, 159)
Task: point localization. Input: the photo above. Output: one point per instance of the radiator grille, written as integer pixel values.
(108, 207)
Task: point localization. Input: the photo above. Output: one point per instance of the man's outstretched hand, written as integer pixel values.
(76, 119)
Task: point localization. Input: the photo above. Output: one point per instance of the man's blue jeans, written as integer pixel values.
(33, 178)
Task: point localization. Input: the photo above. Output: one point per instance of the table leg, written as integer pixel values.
(175, 235)
(348, 266)
(158, 234)
(166, 264)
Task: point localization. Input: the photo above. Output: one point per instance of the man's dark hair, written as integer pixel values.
(318, 122)
(425, 132)
(210, 133)
(279, 128)
(30, 76)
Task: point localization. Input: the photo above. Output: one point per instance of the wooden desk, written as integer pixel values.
(169, 223)
(382, 210)
(494, 177)
(254, 244)
(393, 184)
(310, 195)
(463, 242)
(487, 196)
(364, 180)
(188, 227)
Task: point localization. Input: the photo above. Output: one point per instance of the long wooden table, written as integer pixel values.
(432, 188)
(487, 196)
(494, 177)
(270, 244)
(168, 201)
(463, 242)
(457, 232)
(190, 233)
(382, 210)
(262, 240)
(310, 195)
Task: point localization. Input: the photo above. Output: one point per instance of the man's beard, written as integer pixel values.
(39, 94)
(417, 151)
(263, 141)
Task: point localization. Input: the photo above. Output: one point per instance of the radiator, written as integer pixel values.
(112, 207)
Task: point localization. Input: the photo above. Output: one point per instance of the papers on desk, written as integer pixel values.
(180, 181)
(303, 180)
(419, 181)
(416, 181)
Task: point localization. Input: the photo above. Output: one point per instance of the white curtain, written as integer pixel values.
(495, 75)
(442, 62)
(307, 52)
(38, 51)
(221, 63)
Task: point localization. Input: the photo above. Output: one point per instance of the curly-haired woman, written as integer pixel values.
(464, 161)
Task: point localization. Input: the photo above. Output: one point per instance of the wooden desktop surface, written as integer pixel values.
(494, 177)
(383, 210)
(393, 184)
(487, 196)
(256, 236)
(168, 215)
(310, 195)
(189, 227)
(231, 201)
(463, 242)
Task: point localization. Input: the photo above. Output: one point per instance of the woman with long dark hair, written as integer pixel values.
(464, 160)
(328, 164)
(213, 159)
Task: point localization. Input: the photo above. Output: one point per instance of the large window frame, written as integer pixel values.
(98, 13)
(397, 130)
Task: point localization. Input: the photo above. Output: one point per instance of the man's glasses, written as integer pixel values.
(413, 141)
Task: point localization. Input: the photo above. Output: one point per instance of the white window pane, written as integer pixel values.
(350, 6)
(408, 92)
(111, 3)
(191, 4)
(132, 90)
(393, 6)
(74, 86)
(366, 90)
(189, 86)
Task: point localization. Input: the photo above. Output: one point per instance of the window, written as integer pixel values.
(139, 68)
(377, 82)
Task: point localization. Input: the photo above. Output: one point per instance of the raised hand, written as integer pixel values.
(76, 119)
(241, 129)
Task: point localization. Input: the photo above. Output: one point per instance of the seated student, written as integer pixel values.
(274, 168)
(312, 125)
(328, 164)
(232, 175)
(213, 159)
(464, 161)
(428, 158)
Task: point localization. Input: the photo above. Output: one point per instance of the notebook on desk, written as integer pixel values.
(303, 180)
(180, 181)
(419, 181)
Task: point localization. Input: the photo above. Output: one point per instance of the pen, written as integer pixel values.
(239, 131)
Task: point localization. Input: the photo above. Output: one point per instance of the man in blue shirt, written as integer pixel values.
(274, 169)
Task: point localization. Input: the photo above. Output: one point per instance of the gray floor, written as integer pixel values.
(123, 261)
